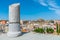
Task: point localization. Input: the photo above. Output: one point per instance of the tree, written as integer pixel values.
(57, 28)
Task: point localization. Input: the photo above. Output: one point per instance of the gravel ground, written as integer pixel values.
(31, 36)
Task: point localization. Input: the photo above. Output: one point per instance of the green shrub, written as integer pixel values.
(49, 30)
(39, 30)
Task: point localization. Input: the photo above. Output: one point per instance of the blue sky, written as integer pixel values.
(32, 9)
(4, 5)
(35, 9)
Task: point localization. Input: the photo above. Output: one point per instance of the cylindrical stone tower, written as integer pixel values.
(14, 20)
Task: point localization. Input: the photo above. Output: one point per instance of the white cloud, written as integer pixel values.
(52, 8)
(50, 4)
(42, 2)
(53, 4)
